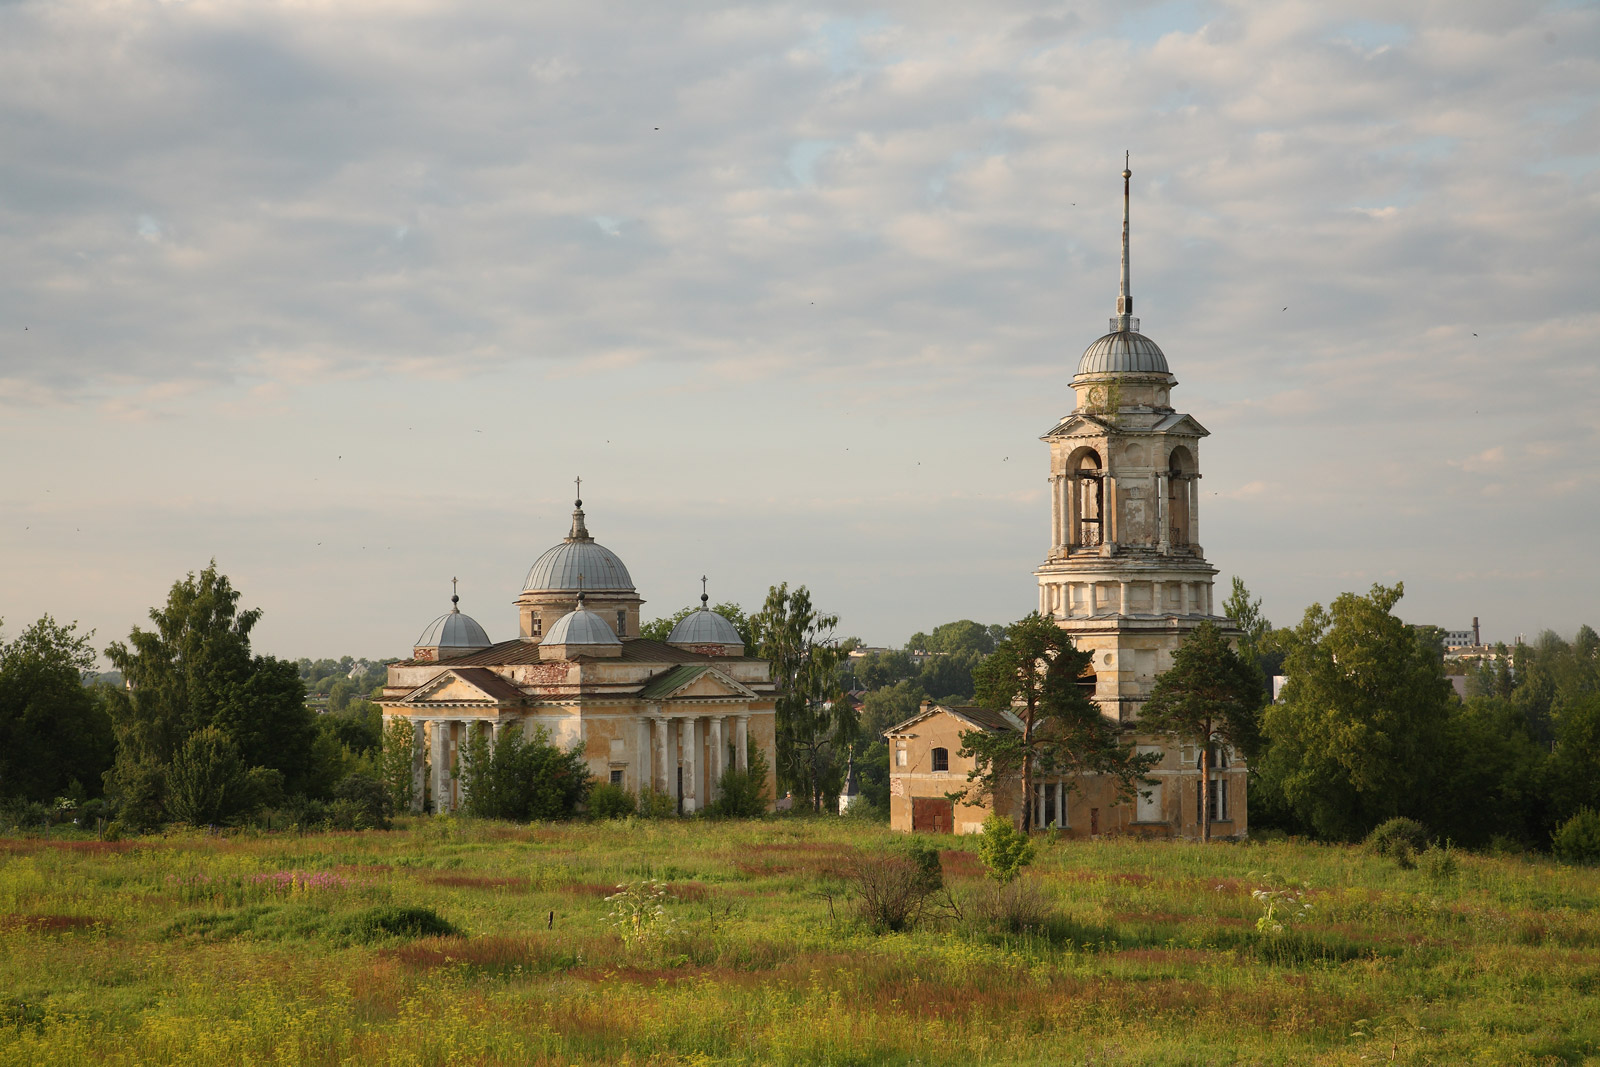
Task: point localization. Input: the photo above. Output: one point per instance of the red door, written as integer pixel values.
(932, 815)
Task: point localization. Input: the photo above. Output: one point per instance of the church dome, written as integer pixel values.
(559, 569)
(453, 630)
(1124, 351)
(581, 627)
(704, 627)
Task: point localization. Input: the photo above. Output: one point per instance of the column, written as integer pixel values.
(1122, 598)
(1074, 510)
(1183, 588)
(441, 768)
(672, 762)
(494, 735)
(1109, 526)
(419, 764)
(1194, 512)
(691, 765)
(1163, 520)
(1055, 514)
(1093, 589)
(715, 763)
(741, 742)
(1157, 603)
(660, 732)
(641, 757)
(1210, 608)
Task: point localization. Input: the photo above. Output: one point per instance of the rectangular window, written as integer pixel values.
(536, 624)
(900, 758)
(941, 759)
(622, 624)
(1219, 799)
(616, 776)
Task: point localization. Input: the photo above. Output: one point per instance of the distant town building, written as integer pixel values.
(1125, 575)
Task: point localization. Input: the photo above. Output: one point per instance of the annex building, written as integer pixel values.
(664, 715)
(1126, 576)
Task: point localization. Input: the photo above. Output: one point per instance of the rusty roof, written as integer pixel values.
(514, 652)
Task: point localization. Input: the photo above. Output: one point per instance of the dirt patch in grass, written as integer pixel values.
(479, 881)
(23, 846)
(50, 924)
(959, 863)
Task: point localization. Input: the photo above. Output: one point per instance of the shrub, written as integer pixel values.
(742, 794)
(207, 782)
(1014, 907)
(390, 922)
(639, 912)
(893, 887)
(1004, 849)
(1399, 838)
(525, 778)
(1439, 863)
(654, 804)
(360, 802)
(607, 801)
(1578, 839)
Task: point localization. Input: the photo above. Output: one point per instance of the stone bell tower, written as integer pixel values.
(1125, 574)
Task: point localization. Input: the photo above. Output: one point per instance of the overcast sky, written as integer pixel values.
(345, 294)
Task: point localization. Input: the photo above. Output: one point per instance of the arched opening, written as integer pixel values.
(1180, 472)
(1088, 682)
(1089, 501)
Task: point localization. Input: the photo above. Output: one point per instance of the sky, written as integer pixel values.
(344, 296)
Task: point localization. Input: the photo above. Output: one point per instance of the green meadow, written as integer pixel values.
(286, 949)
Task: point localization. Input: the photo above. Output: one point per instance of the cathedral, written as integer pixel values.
(1126, 576)
(668, 716)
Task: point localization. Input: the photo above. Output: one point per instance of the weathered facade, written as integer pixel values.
(669, 716)
(1126, 576)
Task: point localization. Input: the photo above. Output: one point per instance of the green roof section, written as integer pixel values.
(665, 685)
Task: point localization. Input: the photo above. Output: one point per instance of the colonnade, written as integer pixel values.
(665, 744)
(1070, 599)
(1068, 510)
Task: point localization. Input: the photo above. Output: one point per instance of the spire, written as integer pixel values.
(1125, 320)
(455, 601)
(704, 597)
(580, 532)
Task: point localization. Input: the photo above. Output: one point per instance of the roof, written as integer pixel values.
(1123, 351)
(982, 718)
(577, 556)
(581, 627)
(490, 682)
(453, 630)
(704, 627)
(516, 651)
(663, 685)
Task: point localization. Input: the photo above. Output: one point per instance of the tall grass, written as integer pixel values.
(243, 949)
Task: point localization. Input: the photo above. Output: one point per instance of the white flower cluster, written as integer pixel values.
(1281, 907)
(639, 912)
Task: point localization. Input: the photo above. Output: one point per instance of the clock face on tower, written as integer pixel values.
(1097, 396)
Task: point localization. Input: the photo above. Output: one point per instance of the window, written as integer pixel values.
(622, 624)
(1049, 804)
(941, 759)
(536, 626)
(1219, 799)
(616, 776)
(900, 757)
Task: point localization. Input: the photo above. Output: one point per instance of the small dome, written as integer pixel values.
(453, 630)
(704, 627)
(559, 569)
(1124, 351)
(581, 627)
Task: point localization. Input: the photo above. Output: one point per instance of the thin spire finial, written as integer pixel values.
(1124, 293)
(578, 482)
(705, 598)
(580, 590)
(455, 599)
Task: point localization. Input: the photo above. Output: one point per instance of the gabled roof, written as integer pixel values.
(1180, 423)
(490, 687)
(1078, 422)
(980, 718)
(673, 682)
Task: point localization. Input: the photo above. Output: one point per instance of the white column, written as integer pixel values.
(1055, 514)
(691, 765)
(1194, 510)
(1108, 515)
(1210, 608)
(741, 742)
(661, 754)
(1183, 588)
(1074, 509)
(441, 767)
(419, 764)
(717, 750)
(1163, 520)
(641, 757)
(1122, 598)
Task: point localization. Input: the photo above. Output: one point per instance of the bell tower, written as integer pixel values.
(1125, 573)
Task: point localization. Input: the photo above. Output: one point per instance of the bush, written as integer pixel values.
(893, 887)
(1004, 849)
(525, 778)
(389, 922)
(654, 804)
(742, 794)
(607, 801)
(1015, 907)
(207, 782)
(1439, 863)
(1578, 839)
(360, 802)
(1400, 839)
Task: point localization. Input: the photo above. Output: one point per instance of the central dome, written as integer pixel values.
(1123, 352)
(559, 569)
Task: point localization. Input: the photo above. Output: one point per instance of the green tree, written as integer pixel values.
(1210, 695)
(1358, 736)
(813, 728)
(743, 794)
(54, 730)
(1034, 673)
(883, 708)
(1004, 849)
(1575, 763)
(195, 670)
(1257, 644)
(876, 670)
(963, 635)
(207, 782)
(395, 764)
(524, 778)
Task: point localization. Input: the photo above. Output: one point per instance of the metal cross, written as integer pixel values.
(702, 585)
(579, 483)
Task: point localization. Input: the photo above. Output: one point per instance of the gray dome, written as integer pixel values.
(704, 627)
(558, 569)
(453, 630)
(581, 627)
(1123, 351)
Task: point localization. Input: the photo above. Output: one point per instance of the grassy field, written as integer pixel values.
(262, 950)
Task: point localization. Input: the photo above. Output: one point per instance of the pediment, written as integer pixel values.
(472, 685)
(1181, 424)
(1079, 425)
(697, 682)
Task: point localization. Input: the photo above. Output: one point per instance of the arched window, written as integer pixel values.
(941, 759)
(1090, 502)
(1179, 473)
